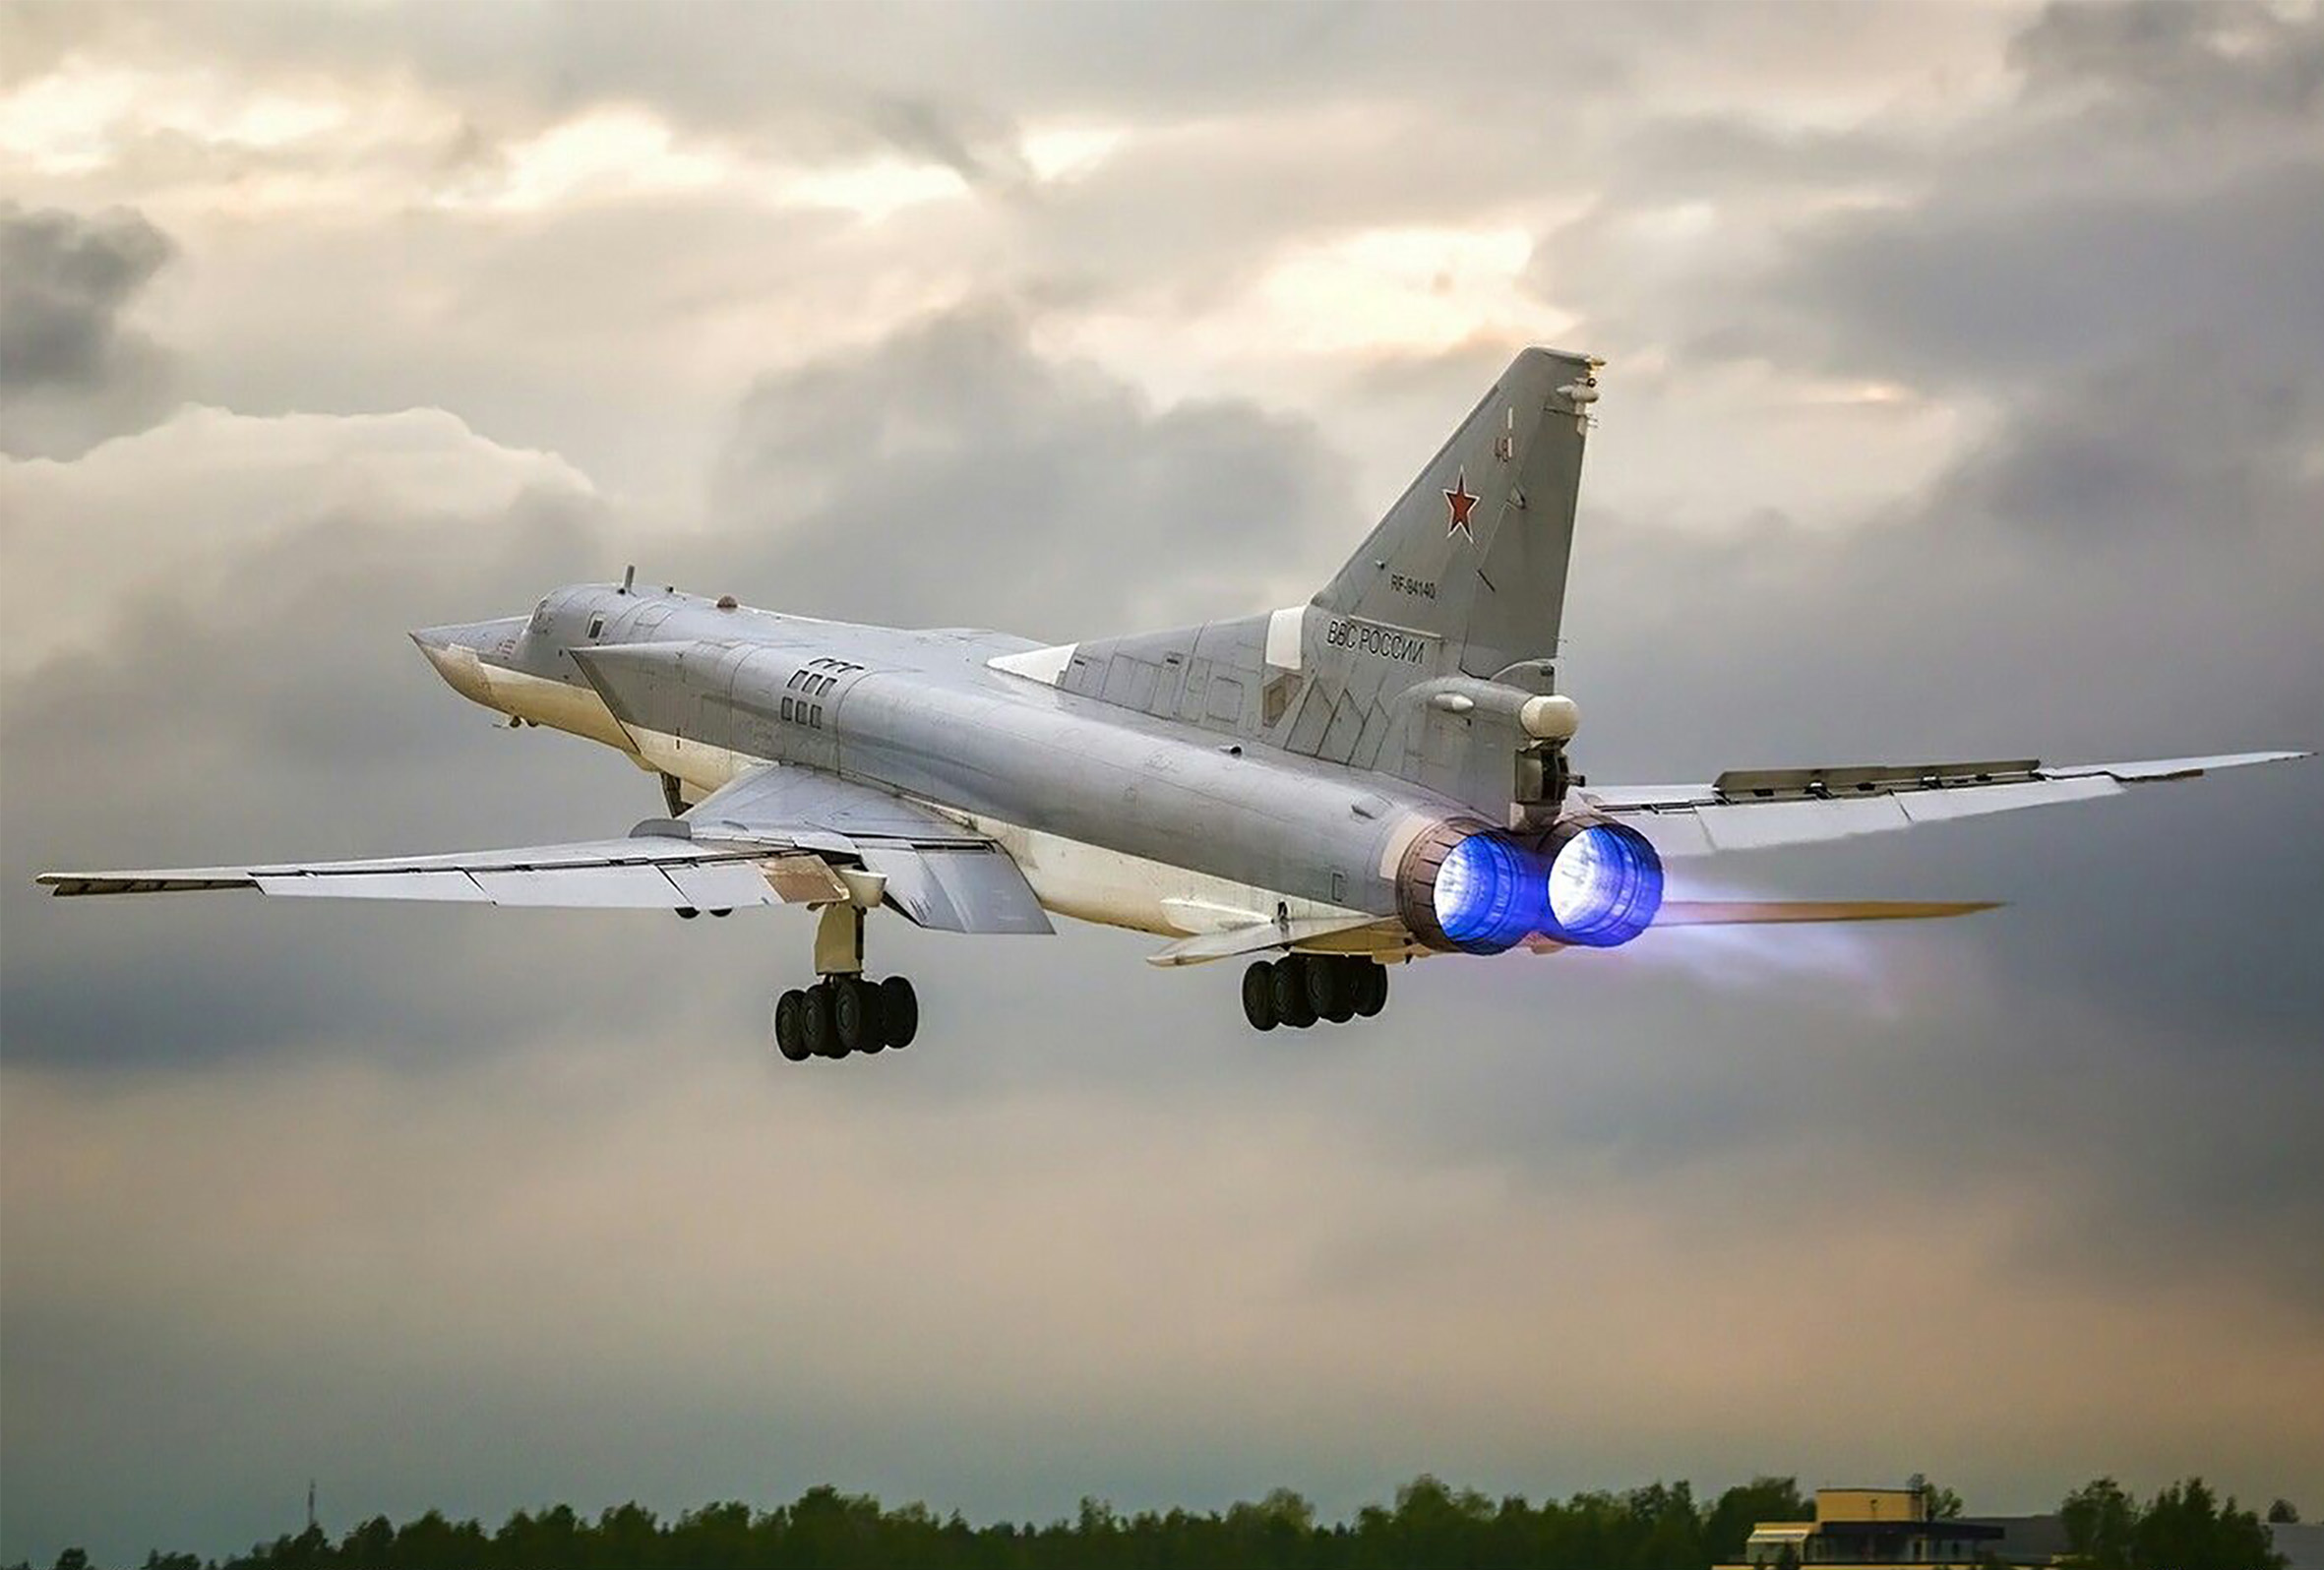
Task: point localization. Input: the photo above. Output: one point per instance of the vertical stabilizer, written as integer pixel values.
(1473, 553)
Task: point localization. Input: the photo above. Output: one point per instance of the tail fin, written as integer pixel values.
(1473, 553)
(1465, 577)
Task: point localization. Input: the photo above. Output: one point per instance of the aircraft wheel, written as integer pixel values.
(855, 1015)
(899, 1012)
(1259, 995)
(1372, 989)
(1331, 990)
(875, 1011)
(816, 1029)
(788, 1039)
(1290, 986)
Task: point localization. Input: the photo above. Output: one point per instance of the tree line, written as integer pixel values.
(1431, 1527)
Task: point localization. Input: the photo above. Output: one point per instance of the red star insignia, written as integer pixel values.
(1457, 502)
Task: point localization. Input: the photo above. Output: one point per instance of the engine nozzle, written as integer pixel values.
(1468, 887)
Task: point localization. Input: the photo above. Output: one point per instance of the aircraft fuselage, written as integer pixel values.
(1120, 817)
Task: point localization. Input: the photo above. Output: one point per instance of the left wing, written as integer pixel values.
(1753, 809)
(648, 871)
(773, 836)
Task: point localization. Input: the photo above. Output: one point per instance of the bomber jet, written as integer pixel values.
(1382, 773)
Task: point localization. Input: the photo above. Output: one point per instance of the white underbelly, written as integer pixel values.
(1091, 883)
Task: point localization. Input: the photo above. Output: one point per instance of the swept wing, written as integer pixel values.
(773, 836)
(1755, 809)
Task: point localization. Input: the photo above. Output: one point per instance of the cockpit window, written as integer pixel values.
(597, 625)
(540, 618)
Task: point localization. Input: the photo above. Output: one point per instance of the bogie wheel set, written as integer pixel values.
(842, 1015)
(1300, 989)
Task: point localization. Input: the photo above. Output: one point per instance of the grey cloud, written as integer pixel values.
(2158, 183)
(69, 372)
(1979, 284)
(2180, 63)
(950, 475)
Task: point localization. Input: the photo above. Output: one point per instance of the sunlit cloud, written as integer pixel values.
(1069, 152)
(615, 151)
(1397, 289)
(82, 116)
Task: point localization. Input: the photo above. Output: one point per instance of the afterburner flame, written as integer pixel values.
(1604, 886)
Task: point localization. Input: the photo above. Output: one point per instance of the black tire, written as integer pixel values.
(1290, 979)
(788, 1039)
(815, 1030)
(1331, 988)
(1372, 989)
(855, 1015)
(899, 1012)
(1259, 995)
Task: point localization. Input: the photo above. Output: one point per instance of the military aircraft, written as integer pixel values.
(1378, 774)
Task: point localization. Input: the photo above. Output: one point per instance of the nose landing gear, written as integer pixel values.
(1299, 990)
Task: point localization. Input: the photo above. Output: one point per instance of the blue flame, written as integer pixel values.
(1489, 893)
(1604, 888)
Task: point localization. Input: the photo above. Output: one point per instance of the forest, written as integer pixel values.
(1431, 1526)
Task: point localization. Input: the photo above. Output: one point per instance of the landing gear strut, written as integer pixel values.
(1299, 990)
(844, 1012)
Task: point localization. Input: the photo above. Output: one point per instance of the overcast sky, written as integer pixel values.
(1964, 398)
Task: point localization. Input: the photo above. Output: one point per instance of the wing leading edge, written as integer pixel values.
(1755, 809)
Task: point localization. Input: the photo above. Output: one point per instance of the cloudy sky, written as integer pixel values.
(1964, 398)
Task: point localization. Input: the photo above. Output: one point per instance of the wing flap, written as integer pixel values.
(730, 885)
(958, 889)
(583, 888)
(454, 887)
(1935, 807)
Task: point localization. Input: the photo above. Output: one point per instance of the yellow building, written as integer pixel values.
(1870, 1528)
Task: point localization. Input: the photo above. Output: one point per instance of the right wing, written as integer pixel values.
(773, 836)
(1753, 809)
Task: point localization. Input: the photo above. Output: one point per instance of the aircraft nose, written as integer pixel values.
(456, 652)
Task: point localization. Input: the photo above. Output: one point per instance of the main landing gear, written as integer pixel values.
(844, 1012)
(1299, 990)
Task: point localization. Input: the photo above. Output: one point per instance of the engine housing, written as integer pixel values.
(1464, 886)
